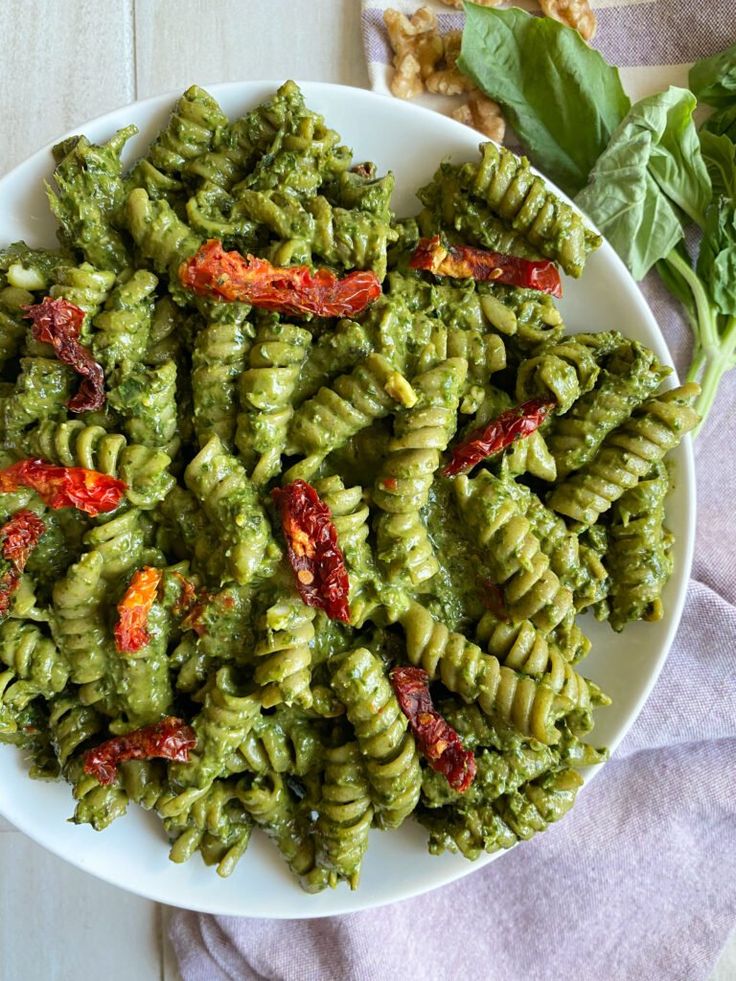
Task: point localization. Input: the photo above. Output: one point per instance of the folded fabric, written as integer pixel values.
(640, 879)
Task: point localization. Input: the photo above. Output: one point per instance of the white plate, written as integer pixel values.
(132, 853)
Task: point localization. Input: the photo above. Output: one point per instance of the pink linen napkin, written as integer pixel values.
(639, 880)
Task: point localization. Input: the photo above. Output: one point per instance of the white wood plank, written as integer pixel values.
(58, 923)
(62, 63)
(183, 41)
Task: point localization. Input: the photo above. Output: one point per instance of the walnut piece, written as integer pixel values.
(417, 48)
(450, 80)
(482, 114)
(574, 13)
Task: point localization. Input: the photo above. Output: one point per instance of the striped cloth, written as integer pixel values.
(639, 880)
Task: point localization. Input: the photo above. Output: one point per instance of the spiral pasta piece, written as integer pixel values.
(274, 810)
(146, 400)
(13, 328)
(38, 667)
(350, 515)
(71, 725)
(345, 813)
(285, 742)
(89, 190)
(266, 390)
(532, 591)
(627, 454)
(333, 415)
(391, 760)
(160, 234)
(402, 487)
(73, 444)
(219, 357)
(529, 706)
(227, 715)
(521, 198)
(96, 805)
(221, 484)
(194, 127)
(41, 391)
(122, 329)
(216, 823)
(630, 374)
(84, 286)
(285, 669)
(638, 559)
(562, 372)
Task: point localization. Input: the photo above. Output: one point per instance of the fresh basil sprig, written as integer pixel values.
(560, 96)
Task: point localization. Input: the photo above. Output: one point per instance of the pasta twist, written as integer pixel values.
(219, 356)
(41, 391)
(285, 669)
(521, 198)
(627, 454)
(226, 717)
(215, 823)
(521, 647)
(629, 375)
(146, 401)
(97, 805)
(530, 316)
(532, 591)
(84, 286)
(266, 391)
(36, 663)
(345, 814)
(71, 725)
(230, 501)
(402, 487)
(13, 329)
(638, 559)
(529, 706)
(350, 515)
(285, 742)
(122, 329)
(73, 444)
(160, 234)
(562, 372)
(195, 125)
(391, 760)
(333, 415)
(273, 809)
(85, 205)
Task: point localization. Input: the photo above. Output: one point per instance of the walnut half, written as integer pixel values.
(574, 13)
(482, 114)
(417, 48)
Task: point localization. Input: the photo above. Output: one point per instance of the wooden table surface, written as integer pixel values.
(64, 62)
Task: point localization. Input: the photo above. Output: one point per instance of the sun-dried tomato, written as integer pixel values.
(291, 290)
(187, 596)
(468, 262)
(131, 630)
(312, 549)
(18, 537)
(65, 487)
(170, 739)
(434, 736)
(59, 323)
(513, 424)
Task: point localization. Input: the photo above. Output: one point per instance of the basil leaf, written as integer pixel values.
(719, 154)
(652, 168)
(560, 96)
(723, 123)
(678, 286)
(717, 259)
(713, 80)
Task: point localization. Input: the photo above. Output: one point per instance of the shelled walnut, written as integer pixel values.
(574, 13)
(482, 114)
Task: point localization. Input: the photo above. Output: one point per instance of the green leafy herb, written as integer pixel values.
(713, 80)
(719, 154)
(651, 172)
(560, 96)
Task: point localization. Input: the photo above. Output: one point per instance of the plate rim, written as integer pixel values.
(685, 475)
